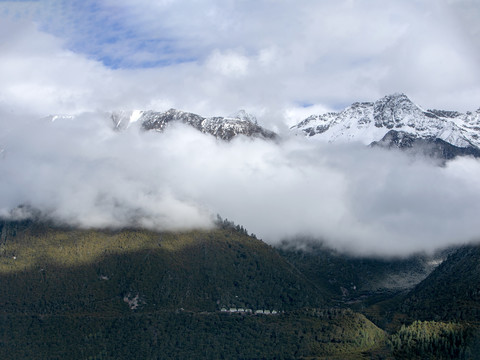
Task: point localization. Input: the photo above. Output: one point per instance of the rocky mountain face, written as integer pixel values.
(395, 121)
(224, 128)
(428, 146)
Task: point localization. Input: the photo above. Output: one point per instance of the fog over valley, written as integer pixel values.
(358, 199)
(282, 63)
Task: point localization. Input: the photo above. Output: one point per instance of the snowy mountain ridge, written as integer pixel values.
(370, 122)
(392, 121)
(224, 128)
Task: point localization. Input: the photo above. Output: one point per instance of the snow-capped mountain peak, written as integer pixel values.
(225, 128)
(370, 122)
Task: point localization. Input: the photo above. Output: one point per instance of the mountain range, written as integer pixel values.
(224, 128)
(393, 121)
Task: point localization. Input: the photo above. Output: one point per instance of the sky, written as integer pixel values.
(281, 61)
(276, 59)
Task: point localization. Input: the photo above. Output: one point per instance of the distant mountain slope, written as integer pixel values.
(356, 279)
(394, 118)
(225, 128)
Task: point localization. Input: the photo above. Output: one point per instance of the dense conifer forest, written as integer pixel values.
(220, 294)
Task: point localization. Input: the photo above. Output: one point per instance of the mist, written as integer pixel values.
(357, 199)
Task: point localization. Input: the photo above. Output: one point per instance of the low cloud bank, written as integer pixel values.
(357, 199)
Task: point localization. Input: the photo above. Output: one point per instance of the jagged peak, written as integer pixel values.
(171, 111)
(369, 122)
(397, 95)
(221, 127)
(361, 104)
(395, 99)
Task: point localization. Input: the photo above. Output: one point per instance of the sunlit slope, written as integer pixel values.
(137, 294)
(45, 269)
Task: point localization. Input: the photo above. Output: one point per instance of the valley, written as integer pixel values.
(168, 293)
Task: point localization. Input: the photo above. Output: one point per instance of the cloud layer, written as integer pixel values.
(281, 61)
(215, 57)
(356, 199)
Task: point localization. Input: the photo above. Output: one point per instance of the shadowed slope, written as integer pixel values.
(46, 269)
(136, 294)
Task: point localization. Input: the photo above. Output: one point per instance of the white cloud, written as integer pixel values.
(219, 56)
(296, 114)
(279, 60)
(354, 198)
(228, 64)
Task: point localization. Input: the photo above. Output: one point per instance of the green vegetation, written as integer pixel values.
(433, 340)
(451, 292)
(141, 294)
(349, 278)
(46, 270)
(188, 335)
(137, 294)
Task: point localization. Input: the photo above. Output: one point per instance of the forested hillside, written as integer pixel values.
(142, 294)
(138, 294)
